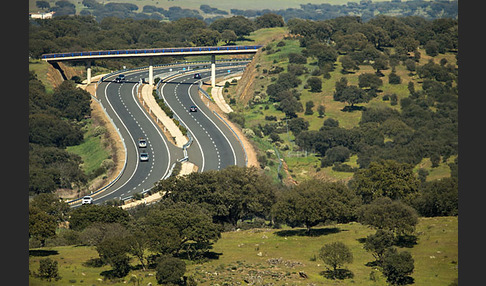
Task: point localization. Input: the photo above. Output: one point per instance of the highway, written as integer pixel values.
(214, 146)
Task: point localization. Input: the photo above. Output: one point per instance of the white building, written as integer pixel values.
(47, 15)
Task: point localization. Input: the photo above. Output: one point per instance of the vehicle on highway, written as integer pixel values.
(197, 75)
(144, 156)
(193, 108)
(87, 200)
(142, 143)
(120, 78)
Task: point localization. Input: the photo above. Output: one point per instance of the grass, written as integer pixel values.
(244, 255)
(91, 150)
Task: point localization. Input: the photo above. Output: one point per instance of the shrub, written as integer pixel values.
(170, 270)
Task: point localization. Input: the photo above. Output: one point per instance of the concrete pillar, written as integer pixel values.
(213, 70)
(151, 72)
(88, 72)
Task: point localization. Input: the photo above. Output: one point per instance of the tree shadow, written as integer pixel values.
(349, 108)
(42, 252)
(312, 232)
(406, 240)
(340, 274)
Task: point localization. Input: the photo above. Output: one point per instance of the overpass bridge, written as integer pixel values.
(89, 56)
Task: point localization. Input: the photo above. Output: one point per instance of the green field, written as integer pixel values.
(244, 255)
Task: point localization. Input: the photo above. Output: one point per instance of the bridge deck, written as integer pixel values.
(187, 51)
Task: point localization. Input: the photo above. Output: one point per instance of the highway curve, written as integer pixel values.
(214, 146)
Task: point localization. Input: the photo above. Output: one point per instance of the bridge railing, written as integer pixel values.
(148, 51)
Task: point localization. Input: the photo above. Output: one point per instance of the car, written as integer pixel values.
(118, 79)
(197, 75)
(144, 156)
(86, 200)
(142, 143)
(193, 108)
(121, 76)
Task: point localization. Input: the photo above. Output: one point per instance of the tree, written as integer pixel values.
(308, 107)
(113, 250)
(41, 225)
(379, 242)
(86, 215)
(42, 4)
(228, 36)
(335, 154)
(397, 266)
(386, 178)
(170, 270)
(314, 201)
(48, 269)
(297, 125)
(315, 84)
(369, 80)
(174, 227)
(335, 254)
(229, 195)
(321, 109)
(348, 63)
(269, 20)
(389, 215)
(72, 102)
(351, 95)
(205, 37)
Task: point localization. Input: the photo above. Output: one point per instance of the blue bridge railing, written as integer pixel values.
(149, 51)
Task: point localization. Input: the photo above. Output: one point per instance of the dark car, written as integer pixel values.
(118, 79)
(193, 108)
(197, 75)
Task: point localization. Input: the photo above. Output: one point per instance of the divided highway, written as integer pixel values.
(214, 145)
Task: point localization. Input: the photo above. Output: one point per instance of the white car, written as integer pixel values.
(87, 200)
(144, 156)
(142, 143)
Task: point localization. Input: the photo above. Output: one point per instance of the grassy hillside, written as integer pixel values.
(304, 165)
(277, 256)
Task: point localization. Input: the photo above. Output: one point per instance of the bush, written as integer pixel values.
(170, 270)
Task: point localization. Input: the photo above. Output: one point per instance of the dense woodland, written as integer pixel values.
(384, 192)
(366, 9)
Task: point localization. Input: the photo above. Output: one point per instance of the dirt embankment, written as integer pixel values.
(54, 76)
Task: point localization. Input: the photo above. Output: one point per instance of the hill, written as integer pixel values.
(250, 98)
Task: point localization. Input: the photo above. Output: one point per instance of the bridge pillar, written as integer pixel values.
(151, 72)
(213, 70)
(88, 72)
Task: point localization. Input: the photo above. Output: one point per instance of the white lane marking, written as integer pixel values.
(157, 129)
(227, 140)
(133, 141)
(194, 136)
